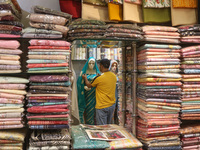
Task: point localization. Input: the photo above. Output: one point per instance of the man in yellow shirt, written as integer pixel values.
(105, 93)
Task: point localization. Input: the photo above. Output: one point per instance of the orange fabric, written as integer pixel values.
(184, 3)
(115, 12)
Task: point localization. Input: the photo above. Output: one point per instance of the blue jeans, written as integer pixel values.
(105, 115)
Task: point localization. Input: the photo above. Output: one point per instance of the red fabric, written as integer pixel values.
(46, 65)
(72, 7)
(45, 110)
(47, 97)
(46, 122)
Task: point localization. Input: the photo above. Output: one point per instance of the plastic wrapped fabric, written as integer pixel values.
(53, 27)
(81, 141)
(159, 28)
(42, 127)
(138, 2)
(49, 143)
(56, 88)
(166, 148)
(86, 37)
(93, 34)
(87, 22)
(11, 147)
(49, 47)
(162, 40)
(51, 19)
(46, 92)
(46, 65)
(54, 84)
(48, 57)
(9, 44)
(86, 31)
(10, 27)
(47, 97)
(49, 147)
(30, 30)
(10, 51)
(10, 67)
(43, 10)
(9, 32)
(193, 40)
(40, 61)
(124, 26)
(9, 5)
(71, 27)
(5, 79)
(55, 43)
(121, 30)
(47, 122)
(124, 35)
(185, 4)
(53, 36)
(49, 78)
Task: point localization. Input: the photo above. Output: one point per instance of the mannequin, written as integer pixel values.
(114, 69)
(86, 96)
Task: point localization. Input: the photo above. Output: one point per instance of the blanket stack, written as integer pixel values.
(47, 23)
(159, 96)
(48, 56)
(10, 14)
(161, 34)
(191, 79)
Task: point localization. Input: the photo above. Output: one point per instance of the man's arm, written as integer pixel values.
(88, 84)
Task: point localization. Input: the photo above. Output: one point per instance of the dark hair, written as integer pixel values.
(105, 63)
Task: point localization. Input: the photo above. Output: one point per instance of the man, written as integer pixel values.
(105, 93)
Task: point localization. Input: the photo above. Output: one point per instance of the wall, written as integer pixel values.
(27, 4)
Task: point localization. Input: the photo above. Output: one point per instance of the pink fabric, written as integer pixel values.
(10, 101)
(9, 36)
(159, 28)
(190, 48)
(11, 96)
(13, 86)
(9, 44)
(49, 43)
(162, 33)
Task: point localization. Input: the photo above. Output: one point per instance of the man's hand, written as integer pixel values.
(88, 84)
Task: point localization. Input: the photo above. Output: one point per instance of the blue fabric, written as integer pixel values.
(81, 91)
(105, 115)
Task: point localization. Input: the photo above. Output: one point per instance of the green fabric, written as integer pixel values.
(81, 140)
(156, 15)
(50, 71)
(47, 68)
(81, 92)
(68, 83)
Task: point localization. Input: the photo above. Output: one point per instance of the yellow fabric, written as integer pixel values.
(105, 90)
(115, 12)
(184, 3)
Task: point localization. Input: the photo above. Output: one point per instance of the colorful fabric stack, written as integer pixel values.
(190, 33)
(9, 56)
(159, 96)
(124, 32)
(49, 102)
(47, 23)
(12, 91)
(55, 140)
(12, 139)
(190, 135)
(161, 34)
(10, 15)
(121, 86)
(87, 29)
(191, 79)
(48, 56)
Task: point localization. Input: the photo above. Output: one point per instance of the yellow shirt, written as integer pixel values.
(105, 90)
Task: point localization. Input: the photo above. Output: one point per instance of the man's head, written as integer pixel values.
(104, 65)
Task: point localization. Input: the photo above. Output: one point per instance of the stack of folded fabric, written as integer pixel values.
(9, 56)
(191, 79)
(161, 34)
(121, 86)
(190, 33)
(49, 102)
(12, 139)
(47, 23)
(87, 29)
(10, 14)
(124, 32)
(48, 56)
(159, 96)
(12, 91)
(190, 135)
(55, 140)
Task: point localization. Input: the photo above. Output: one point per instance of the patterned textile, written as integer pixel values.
(156, 3)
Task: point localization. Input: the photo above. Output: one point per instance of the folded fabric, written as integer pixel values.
(54, 27)
(49, 143)
(51, 19)
(31, 35)
(156, 3)
(49, 147)
(43, 10)
(42, 127)
(36, 31)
